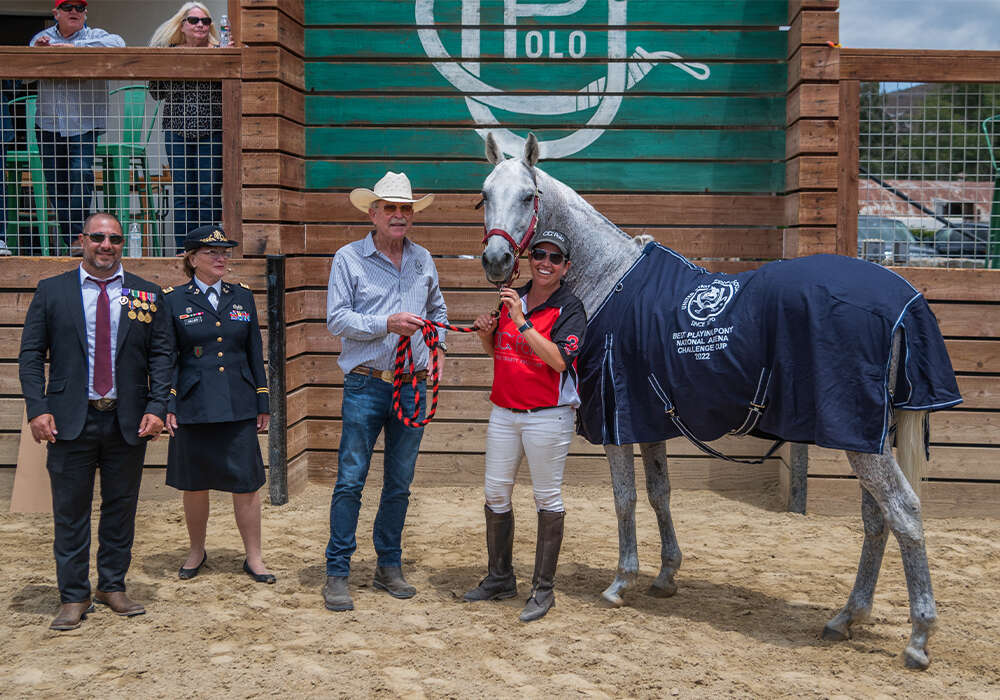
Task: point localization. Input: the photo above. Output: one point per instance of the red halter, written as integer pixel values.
(518, 248)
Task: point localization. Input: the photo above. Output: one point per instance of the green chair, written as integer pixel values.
(16, 163)
(125, 164)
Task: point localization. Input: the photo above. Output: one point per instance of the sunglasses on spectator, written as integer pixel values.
(539, 254)
(69, 7)
(194, 20)
(115, 238)
(404, 209)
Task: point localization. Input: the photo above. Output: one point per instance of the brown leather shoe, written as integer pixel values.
(70, 615)
(119, 603)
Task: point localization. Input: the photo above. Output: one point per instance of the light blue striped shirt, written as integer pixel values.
(73, 107)
(366, 288)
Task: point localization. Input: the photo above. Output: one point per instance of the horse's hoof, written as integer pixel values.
(664, 591)
(836, 634)
(916, 659)
(612, 598)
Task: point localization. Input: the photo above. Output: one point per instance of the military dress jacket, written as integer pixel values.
(219, 374)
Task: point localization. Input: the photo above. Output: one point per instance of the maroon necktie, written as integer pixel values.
(102, 341)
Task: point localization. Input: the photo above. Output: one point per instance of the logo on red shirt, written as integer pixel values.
(572, 343)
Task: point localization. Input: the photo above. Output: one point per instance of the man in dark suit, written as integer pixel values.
(110, 354)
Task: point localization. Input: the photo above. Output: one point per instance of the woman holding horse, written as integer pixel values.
(533, 344)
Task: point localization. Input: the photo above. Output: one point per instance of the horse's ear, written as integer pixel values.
(531, 150)
(493, 153)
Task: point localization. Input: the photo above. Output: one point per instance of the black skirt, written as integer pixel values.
(217, 456)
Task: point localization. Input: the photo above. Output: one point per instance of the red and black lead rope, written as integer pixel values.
(404, 360)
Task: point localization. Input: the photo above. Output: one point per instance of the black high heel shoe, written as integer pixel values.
(259, 578)
(185, 574)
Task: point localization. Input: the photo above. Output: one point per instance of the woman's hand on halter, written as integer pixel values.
(512, 301)
(485, 325)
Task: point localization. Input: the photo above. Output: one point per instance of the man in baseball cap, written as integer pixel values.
(380, 288)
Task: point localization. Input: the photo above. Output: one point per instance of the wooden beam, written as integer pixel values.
(274, 28)
(815, 28)
(232, 154)
(812, 100)
(847, 168)
(813, 63)
(797, 6)
(125, 64)
(811, 136)
(905, 65)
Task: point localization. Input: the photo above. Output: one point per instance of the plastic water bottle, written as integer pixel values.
(225, 36)
(134, 241)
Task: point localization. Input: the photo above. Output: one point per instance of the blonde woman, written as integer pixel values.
(192, 124)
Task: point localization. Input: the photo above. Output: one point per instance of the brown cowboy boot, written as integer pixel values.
(119, 603)
(550, 534)
(499, 583)
(70, 615)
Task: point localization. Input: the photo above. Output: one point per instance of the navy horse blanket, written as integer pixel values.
(807, 341)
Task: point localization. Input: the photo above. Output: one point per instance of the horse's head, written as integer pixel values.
(510, 194)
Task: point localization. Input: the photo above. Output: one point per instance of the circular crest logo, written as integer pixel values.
(594, 103)
(709, 300)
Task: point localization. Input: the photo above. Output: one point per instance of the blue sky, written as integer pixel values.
(921, 24)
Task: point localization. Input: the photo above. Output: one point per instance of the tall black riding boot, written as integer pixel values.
(499, 582)
(550, 534)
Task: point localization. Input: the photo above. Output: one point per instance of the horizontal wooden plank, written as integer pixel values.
(450, 109)
(979, 392)
(293, 8)
(939, 499)
(640, 144)
(594, 176)
(403, 43)
(947, 462)
(813, 27)
(272, 98)
(797, 6)
(811, 208)
(970, 320)
(812, 101)
(813, 63)
(799, 241)
(270, 168)
(907, 65)
(273, 239)
(939, 284)
(974, 355)
(763, 13)
(271, 26)
(811, 136)
(811, 172)
(126, 63)
(273, 134)
(273, 63)
(626, 210)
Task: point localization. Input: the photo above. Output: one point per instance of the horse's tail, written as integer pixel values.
(911, 446)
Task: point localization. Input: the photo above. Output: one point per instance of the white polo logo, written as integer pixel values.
(601, 96)
(709, 300)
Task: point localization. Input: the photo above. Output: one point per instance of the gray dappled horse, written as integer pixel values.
(519, 199)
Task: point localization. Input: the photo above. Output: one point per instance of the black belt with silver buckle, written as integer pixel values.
(104, 404)
(386, 375)
(531, 410)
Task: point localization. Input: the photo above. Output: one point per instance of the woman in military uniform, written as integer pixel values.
(219, 401)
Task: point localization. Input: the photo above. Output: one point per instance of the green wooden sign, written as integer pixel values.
(624, 95)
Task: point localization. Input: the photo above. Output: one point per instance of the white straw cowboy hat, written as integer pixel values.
(394, 187)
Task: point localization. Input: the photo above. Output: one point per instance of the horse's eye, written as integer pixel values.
(480, 203)
(529, 197)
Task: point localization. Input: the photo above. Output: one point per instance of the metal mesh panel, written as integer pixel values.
(148, 152)
(928, 173)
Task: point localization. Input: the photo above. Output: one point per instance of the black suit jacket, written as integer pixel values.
(55, 328)
(219, 375)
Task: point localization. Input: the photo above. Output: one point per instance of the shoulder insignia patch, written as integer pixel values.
(167, 290)
(244, 285)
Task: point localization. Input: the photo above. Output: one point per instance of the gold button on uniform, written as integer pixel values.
(222, 369)
(218, 323)
(219, 339)
(220, 354)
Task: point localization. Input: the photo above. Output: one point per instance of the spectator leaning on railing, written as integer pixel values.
(71, 115)
(192, 124)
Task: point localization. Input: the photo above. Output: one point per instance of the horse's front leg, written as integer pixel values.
(622, 464)
(654, 459)
(859, 603)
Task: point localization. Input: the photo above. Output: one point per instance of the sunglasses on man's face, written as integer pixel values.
(115, 238)
(68, 7)
(194, 20)
(404, 209)
(539, 254)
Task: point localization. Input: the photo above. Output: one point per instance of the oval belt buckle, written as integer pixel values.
(386, 376)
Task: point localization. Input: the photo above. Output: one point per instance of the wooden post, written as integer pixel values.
(232, 163)
(847, 167)
(277, 434)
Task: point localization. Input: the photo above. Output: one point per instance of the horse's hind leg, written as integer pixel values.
(859, 603)
(881, 476)
(654, 459)
(623, 483)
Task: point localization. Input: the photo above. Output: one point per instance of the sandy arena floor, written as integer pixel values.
(756, 587)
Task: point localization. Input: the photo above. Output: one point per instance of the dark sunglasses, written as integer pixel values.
(115, 238)
(539, 254)
(404, 209)
(194, 20)
(68, 7)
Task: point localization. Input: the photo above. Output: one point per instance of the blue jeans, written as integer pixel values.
(68, 162)
(367, 410)
(196, 171)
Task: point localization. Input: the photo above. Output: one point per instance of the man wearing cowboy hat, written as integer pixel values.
(381, 287)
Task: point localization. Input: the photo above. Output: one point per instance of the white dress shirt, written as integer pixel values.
(212, 298)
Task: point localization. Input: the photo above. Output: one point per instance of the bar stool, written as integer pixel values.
(25, 164)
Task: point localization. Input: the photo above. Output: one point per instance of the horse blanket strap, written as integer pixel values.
(804, 343)
(671, 411)
(404, 360)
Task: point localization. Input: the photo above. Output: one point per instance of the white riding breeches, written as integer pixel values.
(543, 437)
